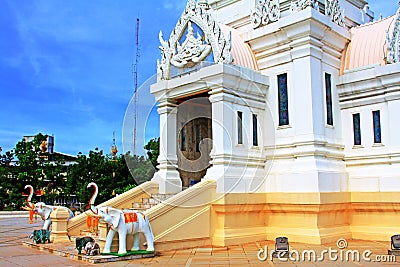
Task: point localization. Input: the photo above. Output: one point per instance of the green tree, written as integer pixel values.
(141, 169)
(6, 178)
(153, 150)
(88, 168)
(113, 176)
(28, 164)
(30, 168)
(54, 173)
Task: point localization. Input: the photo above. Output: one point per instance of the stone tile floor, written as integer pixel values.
(15, 230)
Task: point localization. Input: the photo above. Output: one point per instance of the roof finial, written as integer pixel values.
(203, 3)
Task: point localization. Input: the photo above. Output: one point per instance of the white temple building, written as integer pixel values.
(303, 96)
(292, 100)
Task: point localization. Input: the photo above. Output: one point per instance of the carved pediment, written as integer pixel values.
(193, 49)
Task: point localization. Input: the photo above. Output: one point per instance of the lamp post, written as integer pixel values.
(114, 151)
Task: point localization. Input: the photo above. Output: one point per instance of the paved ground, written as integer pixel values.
(15, 230)
(12, 232)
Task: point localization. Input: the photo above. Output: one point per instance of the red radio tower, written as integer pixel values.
(135, 97)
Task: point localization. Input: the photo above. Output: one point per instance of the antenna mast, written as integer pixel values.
(135, 97)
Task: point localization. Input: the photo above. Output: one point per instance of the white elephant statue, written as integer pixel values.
(44, 210)
(124, 222)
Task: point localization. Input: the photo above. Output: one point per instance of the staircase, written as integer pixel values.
(147, 203)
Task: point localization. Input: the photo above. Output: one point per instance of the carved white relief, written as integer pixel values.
(393, 41)
(332, 9)
(266, 11)
(298, 5)
(193, 49)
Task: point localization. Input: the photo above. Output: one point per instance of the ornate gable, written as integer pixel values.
(393, 41)
(194, 48)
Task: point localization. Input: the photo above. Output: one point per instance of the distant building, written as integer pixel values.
(47, 147)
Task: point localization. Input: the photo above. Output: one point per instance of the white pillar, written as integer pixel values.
(167, 176)
(222, 133)
(236, 168)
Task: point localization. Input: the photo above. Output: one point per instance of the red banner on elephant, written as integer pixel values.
(130, 217)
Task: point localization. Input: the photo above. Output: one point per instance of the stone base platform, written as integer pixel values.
(68, 250)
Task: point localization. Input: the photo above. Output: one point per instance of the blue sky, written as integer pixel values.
(66, 68)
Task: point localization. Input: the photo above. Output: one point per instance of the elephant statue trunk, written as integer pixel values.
(93, 198)
(29, 199)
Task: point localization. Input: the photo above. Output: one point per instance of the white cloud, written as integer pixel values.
(177, 5)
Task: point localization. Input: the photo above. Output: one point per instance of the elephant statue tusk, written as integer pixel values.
(93, 198)
(29, 199)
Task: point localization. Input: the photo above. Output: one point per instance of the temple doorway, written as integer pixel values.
(194, 138)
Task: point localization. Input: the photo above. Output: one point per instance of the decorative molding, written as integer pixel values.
(218, 4)
(193, 50)
(364, 14)
(298, 5)
(332, 9)
(266, 11)
(393, 41)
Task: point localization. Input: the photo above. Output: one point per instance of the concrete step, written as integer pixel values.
(147, 203)
(151, 201)
(141, 206)
(162, 197)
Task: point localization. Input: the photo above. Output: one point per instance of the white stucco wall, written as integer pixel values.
(372, 167)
